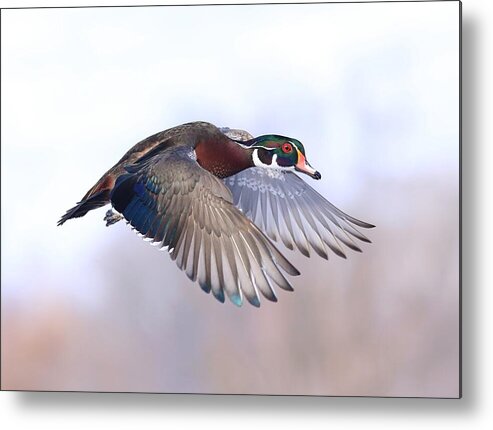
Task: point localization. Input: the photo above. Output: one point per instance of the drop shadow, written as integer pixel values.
(225, 405)
(470, 230)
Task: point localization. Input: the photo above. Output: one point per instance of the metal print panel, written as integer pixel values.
(298, 164)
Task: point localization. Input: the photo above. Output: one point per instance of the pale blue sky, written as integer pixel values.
(370, 89)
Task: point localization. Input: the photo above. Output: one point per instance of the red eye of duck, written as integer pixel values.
(287, 148)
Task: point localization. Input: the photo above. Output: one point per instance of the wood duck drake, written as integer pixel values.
(216, 198)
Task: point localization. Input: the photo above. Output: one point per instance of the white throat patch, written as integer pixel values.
(256, 160)
(273, 166)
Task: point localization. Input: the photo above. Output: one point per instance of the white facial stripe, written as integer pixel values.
(241, 144)
(253, 146)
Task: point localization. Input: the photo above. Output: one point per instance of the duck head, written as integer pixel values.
(273, 151)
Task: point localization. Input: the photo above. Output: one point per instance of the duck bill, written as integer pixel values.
(304, 167)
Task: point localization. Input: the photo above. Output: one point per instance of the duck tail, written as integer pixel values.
(96, 197)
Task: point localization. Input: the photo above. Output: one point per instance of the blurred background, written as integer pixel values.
(372, 92)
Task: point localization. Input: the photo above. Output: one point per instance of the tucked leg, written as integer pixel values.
(112, 217)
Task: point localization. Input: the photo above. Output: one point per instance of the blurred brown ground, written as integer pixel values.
(384, 322)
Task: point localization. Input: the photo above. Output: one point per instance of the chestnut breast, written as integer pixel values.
(222, 157)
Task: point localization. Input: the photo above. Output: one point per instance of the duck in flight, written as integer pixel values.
(217, 199)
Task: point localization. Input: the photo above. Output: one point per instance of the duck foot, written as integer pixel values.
(112, 217)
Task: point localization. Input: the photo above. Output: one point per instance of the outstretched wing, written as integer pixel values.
(175, 203)
(283, 205)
